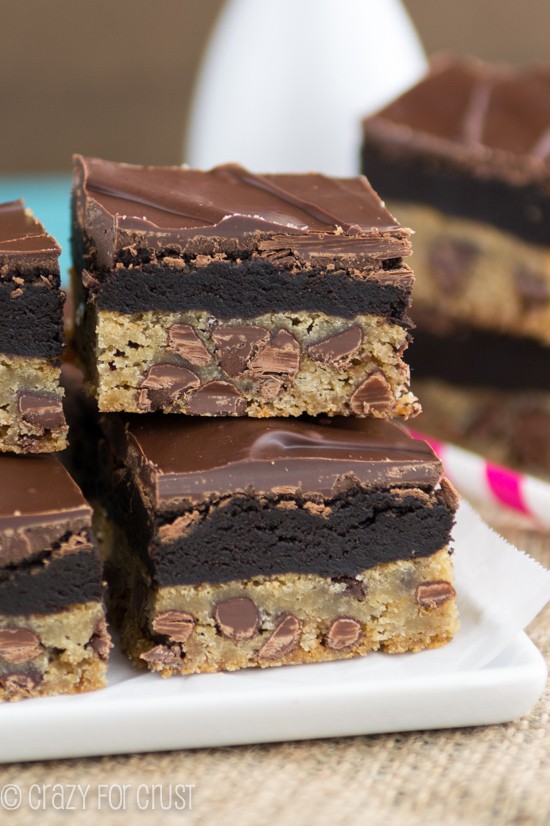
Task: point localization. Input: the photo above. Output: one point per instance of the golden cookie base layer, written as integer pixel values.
(391, 607)
(61, 653)
(124, 348)
(498, 283)
(22, 375)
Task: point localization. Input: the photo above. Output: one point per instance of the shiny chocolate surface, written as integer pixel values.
(180, 458)
(22, 234)
(122, 205)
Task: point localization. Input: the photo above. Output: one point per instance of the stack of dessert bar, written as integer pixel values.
(53, 635)
(216, 314)
(463, 157)
(241, 340)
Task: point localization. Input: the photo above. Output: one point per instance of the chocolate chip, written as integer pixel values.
(163, 655)
(237, 618)
(449, 495)
(374, 394)
(354, 587)
(29, 444)
(533, 289)
(270, 388)
(19, 645)
(339, 348)
(450, 262)
(183, 340)
(343, 633)
(283, 639)
(178, 625)
(100, 642)
(434, 593)
(281, 357)
(163, 384)
(236, 346)
(20, 685)
(217, 398)
(41, 410)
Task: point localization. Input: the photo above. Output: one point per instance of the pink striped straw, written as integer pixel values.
(478, 479)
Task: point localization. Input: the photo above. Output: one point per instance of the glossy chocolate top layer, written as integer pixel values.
(489, 117)
(181, 459)
(39, 503)
(185, 210)
(23, 240)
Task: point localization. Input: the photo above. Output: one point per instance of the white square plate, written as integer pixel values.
(489, 673)
(142, 712)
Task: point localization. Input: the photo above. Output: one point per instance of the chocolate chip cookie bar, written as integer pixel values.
(464, 159)
(487, 391)
(234, 543)
(31, 335)
(226, 293)
(53, 636)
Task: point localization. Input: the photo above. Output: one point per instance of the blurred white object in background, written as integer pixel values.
(284, 83)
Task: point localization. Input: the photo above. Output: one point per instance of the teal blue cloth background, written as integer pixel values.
(48, 197)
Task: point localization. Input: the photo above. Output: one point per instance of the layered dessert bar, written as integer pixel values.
(53, 636)
(31, 335)
(237, 542)
(487, 391)
(464, 159)
(226, 293)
